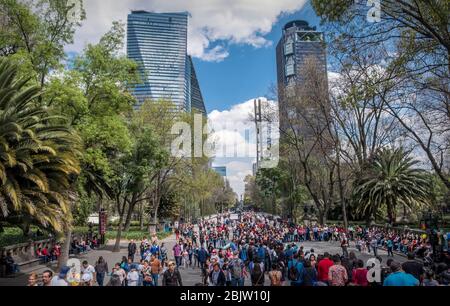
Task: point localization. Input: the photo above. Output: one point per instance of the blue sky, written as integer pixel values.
(247, 72)
(232, 43)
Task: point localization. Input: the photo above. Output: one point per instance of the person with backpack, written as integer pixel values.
(295, 271)
(243, 254)
(257, 275)
(261, 253)
(237, 270)
(309, 274)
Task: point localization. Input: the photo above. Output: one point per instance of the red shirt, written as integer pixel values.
(322, 269)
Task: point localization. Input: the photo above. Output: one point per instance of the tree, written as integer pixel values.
(132, 174)
(413, 37)
(390, 180)
(38, 156)
(34, 33)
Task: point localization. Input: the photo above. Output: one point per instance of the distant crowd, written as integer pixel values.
(253, 249)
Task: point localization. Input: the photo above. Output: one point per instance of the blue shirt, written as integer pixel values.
(400, 279)
(299, 265)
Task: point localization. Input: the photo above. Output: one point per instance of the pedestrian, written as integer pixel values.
(359, 274)
(132, 249)
(257, 275)
(217, 276)
(47, 278)
(399, 278)
(101, 269)
(120, 272)
(156, 269)
(60, 279)
(177, 254)
(133, 276)
(309, 276)
(337, 274)
(275, 276)
(172, 276)
(323, 268)
(411, 266)
(33, 280)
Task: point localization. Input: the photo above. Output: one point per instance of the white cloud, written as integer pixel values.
(212, 22)
(230, 128)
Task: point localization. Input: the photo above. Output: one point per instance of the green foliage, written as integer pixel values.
(389, 181)
(34, 34)
(38, 154)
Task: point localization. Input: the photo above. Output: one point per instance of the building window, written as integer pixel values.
(288, 48)
(290, 69)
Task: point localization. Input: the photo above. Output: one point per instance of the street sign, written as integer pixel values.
(103, 222)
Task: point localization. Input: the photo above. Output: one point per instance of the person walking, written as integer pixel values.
(132, 249)
(156, 268)
(344, 245)
(101, 269)
(275, 276)
(337, 274)
(257, 275)
(374, 246)
(237, 270)
(172, 276)
(177, 254)
(216, 276)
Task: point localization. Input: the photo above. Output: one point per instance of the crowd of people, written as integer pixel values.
(258, 250)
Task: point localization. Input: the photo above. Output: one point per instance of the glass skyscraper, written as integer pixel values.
(158, 43)
(298, 43)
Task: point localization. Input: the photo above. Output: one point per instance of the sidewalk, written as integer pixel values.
(21, 279)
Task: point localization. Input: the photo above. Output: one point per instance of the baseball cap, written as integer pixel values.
(63, 271)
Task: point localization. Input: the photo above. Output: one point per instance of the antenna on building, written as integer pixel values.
(258, 124)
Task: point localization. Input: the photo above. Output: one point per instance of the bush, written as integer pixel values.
(14, 235)
(131, 234)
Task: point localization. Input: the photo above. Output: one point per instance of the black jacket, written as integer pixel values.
(132, 248)
(172, 279)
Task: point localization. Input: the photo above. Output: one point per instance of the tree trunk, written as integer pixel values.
(341, 194)
(65, 248)
(119, 235)
(141, 216)
(126, 227)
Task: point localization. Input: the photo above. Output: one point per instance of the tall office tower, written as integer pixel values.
(158, 43)
(299, 45)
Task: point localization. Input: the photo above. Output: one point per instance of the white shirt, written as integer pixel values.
(133, 277)
(88, 270)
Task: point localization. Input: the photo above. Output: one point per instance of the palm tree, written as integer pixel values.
(38, 155)
(391, 180)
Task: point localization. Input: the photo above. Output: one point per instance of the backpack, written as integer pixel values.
(293, 272)
(243, 254)
(261, 253)
(236, 269)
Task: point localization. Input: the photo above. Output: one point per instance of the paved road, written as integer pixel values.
(191, 276)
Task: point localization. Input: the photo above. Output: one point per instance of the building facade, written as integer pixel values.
(158, 43)
(298, 44)
(222, 171)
